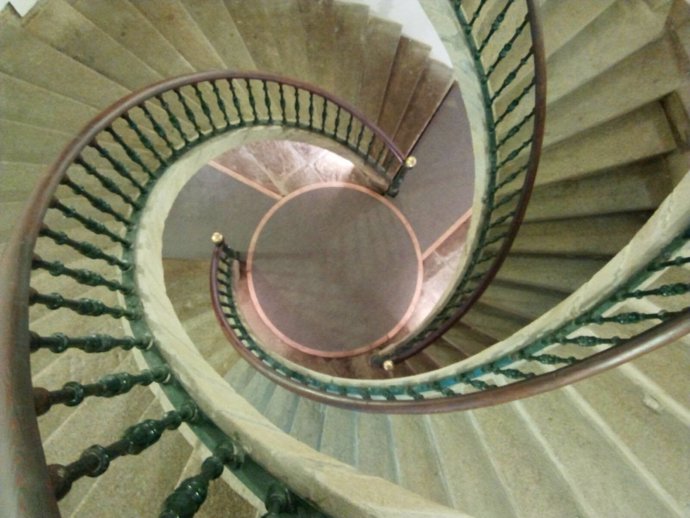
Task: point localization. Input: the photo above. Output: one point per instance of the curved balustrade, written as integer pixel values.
(88, 208)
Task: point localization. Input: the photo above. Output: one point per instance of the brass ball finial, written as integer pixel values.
(410, 162)
(388, 365)
(217, 238)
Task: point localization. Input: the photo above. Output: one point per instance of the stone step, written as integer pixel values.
(493, 322)
(339, 435)
(128, 26)
(157, 470)
(381, 44)
(618, 32)
(639, 187)
(18, 181)
(411, 61)
(634, 417)
(350, 36)
(318, 21)
(417, 458)
(472, 481)
(70, 32)
(605, 236)
(375, 451)
(465, 339)
(532, 481)
(258, 391)
(34, 61)
(520, 300)
(618, 91)
(638, 135)
(307, 424)
(542, 271)
(594, 464)
(177, 26)
(214, 20)
(281, 408)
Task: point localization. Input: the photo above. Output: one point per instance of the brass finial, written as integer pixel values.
(388, 365)
(410, 162)
(217, 238)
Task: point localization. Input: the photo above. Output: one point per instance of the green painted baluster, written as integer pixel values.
(84, 248)
(189, 496)
(96, 343)
(310, 110)
(236, 102)
(118, 166)
(160, 131)
(129, 151)
(514, 130)
(85, 277)
(189, 113)
(589, 341)
(96, 459)
(281, 102)
(95, 202)
(551, 359)
(221, 103)
(144, 139)
(348, 129)
(507, 47)
(512, 75)
(662, 265)
(502, 219)
(172, 118)
(476, 14)
(511, 177)
(94, 226)
(324, 115)
(667, 290)
(515, 102)
(514, 153)
(86, 307)
(106, 182)
(360, 136)
(252, 100)
(267, 101)
(298, 108)
(336, 124)
(205, 108)
(73, 393)
(495, 25)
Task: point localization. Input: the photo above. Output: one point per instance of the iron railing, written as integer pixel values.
(87, 209)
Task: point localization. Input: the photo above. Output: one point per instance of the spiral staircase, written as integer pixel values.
(610, 197)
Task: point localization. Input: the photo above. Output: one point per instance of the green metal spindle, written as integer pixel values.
(298, 108)
(106, 182)
(129, 151)
(73, 393)
(515, 102)
(85, 307)
(95, 201)
(348, 129)
(515, 374)
(502, 219)
(90, 224)
(507, 47)
(221, 104)
(172, 118)
(506, 199)
(267, 101)
(515, 129)
(96, 459)
(189, 496)
(511, 177)
(514, 154)
(311, 110)
(495, 25)
(476, 14)
(252, 100)
(336, 124)
(205, 108)
(667, 290)
(85, 277)
(144, 139)
(92, 344)
(631, 317)
(552, 359)
(160, 131)
(324, 115)
(281, 94)
(512, 75)
(189, 113)
(86, 249)
(590, 341)
(236, 102)
(118, 166)
(661, 265)
(360, 136)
